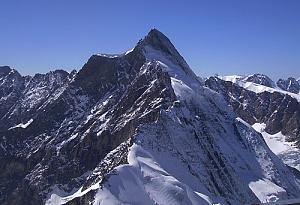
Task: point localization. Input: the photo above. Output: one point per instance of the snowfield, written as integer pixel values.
(287, 151)
(266, 191)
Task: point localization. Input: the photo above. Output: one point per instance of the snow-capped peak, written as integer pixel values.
(158, 41)
(261, 80)
(157, 47)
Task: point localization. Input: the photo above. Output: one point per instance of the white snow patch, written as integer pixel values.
(266, 191)
(185, 74)
(22, 125)
(231, 78)
(55, 199)
(278, 144)
(182, 91)
(109, 55)
(129, 51)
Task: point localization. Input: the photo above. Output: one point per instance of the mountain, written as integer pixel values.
(31, 94)
(290, 85)
(273, 112)
(261, 80)
(134, 128)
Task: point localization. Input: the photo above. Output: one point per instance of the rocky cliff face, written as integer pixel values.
(138, 124)
(290, 85)
(278, 112)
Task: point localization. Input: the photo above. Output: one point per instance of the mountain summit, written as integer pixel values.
(160, 42)
(157, 46)
(137, 128)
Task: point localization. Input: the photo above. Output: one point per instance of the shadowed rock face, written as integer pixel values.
(290, 85)
(100, 74)
(4, 70)
(12, 84)
(25, 101)
(278, 111)
(24, 96)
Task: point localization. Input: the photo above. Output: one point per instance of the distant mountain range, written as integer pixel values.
(142, 128)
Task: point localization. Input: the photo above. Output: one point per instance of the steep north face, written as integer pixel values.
(135, 128)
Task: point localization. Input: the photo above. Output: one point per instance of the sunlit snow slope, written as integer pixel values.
(287, 151)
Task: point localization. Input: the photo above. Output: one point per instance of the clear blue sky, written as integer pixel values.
(225, 37)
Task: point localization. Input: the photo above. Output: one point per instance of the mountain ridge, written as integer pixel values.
(274, 113)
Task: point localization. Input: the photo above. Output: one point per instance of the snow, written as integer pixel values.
(275, 142)
(266, 191)
(182, 90)
(109, 55)
(129, 51)
(57, 198)
(22, 125)
(185, 74)
(114, 55)
(257, 88)
(231, 78)
(287, 151)
(58, 148)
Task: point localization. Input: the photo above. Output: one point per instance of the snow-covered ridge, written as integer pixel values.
(257, 88)
(109, 55)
